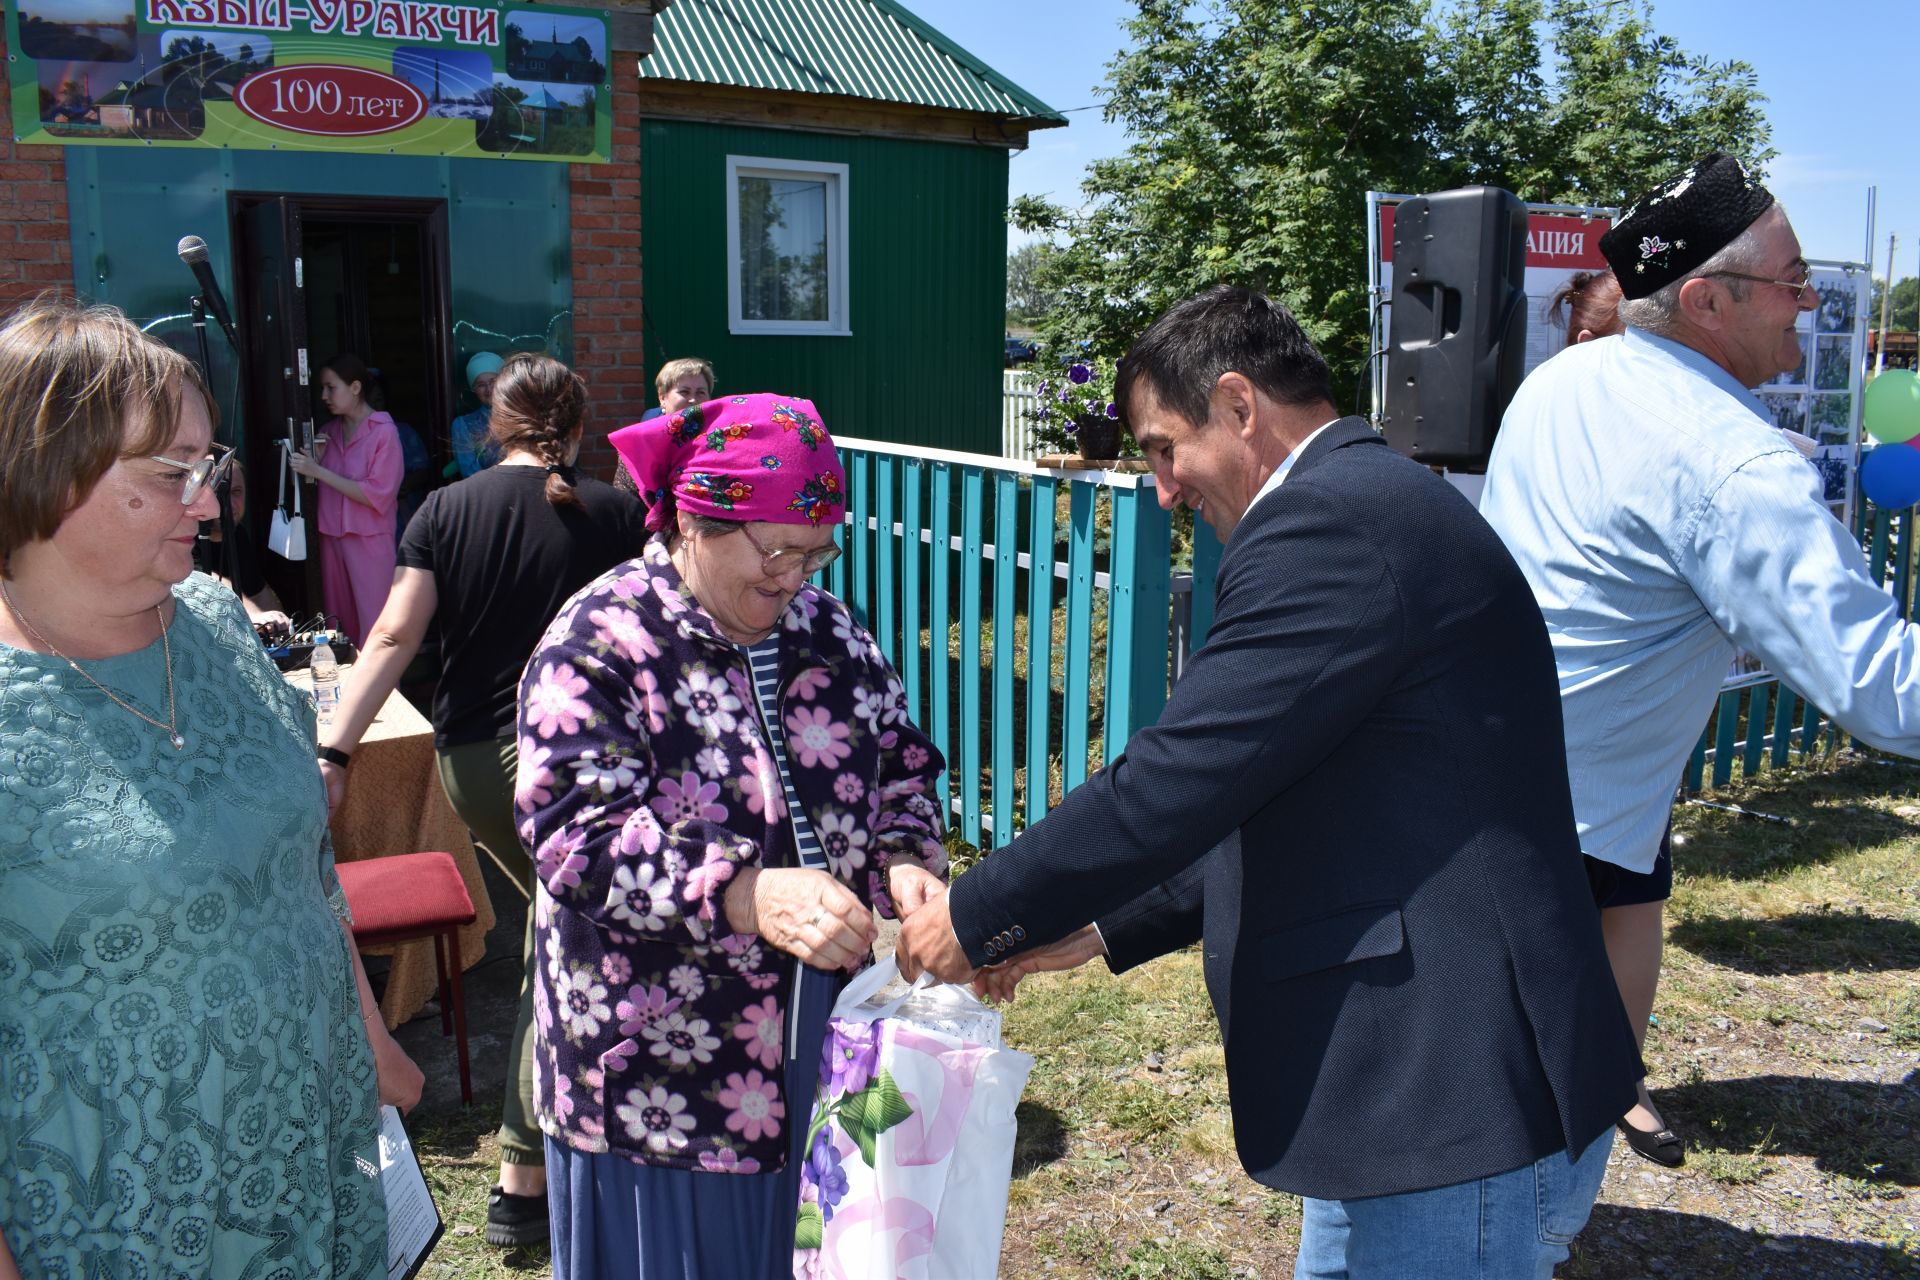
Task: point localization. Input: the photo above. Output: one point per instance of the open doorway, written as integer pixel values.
(316, 277)
(369, 292)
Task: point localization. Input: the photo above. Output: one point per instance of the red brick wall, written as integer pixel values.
(35, 252)
(605, 202)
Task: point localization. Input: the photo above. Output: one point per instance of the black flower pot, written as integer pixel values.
(1099, 437)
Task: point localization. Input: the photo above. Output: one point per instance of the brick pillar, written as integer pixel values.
(605, 204)
(35, 249)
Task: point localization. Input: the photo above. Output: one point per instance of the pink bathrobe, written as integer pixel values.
(357, 539)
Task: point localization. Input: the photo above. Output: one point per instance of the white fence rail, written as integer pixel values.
(1017, 397)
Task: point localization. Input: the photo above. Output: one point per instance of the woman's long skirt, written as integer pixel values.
(616, 1219)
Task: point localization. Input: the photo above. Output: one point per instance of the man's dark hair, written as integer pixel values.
(1182, 354)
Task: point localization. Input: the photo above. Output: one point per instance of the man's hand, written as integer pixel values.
(997, 982)
(911, 885)
(927, 942)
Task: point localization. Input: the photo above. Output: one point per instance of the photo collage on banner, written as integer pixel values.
(485, 78)
(1821, 398)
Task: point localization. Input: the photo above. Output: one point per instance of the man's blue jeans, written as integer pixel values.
(1511, 1226)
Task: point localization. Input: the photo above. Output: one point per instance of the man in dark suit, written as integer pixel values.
(1422, 1035)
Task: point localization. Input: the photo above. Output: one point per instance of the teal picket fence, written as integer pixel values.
(950, 557)
(1767, 724)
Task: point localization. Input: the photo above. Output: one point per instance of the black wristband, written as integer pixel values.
(334, 755)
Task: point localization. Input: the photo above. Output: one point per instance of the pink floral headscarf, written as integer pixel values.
(757, 457)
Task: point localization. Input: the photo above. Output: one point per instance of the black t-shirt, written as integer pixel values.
(503, 561)
(211, 557)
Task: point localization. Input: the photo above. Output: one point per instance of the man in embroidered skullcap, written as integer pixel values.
(1664, 523)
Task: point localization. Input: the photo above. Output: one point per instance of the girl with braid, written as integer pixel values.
(491, 559)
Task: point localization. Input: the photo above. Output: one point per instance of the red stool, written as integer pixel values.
(417, 895)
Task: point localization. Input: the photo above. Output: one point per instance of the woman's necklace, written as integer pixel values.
(173, 734)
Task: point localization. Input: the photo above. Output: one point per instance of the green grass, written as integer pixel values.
(461, 1161)
(1168, 1260)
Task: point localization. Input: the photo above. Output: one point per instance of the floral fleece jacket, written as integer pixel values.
(645, 782)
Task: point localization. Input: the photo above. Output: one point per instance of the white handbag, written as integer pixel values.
(909, 1175)
(287, 534)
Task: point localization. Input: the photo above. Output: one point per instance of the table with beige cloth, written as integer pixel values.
(395, 804)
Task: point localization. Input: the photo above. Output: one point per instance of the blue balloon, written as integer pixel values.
(1890, 476)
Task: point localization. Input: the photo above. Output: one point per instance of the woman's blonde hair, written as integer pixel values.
(80, 388)
(674, 370)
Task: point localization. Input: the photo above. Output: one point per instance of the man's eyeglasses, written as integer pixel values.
(786, 559)
(1799, 286)
(208, 470)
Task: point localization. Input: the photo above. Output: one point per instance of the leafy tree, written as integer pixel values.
(193, 55)
(1633, 104)
(1027, 301)
(1258, 126)
(1905, 311)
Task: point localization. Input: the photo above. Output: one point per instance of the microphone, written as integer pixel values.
(193, 252)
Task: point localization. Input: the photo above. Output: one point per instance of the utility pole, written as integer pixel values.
(1886, 299)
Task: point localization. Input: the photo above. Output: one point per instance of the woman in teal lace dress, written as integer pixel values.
(187, 1086)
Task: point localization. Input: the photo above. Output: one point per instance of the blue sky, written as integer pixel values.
(1830, 71)
(79, 10)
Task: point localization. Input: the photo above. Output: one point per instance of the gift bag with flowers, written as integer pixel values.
(910, 1146)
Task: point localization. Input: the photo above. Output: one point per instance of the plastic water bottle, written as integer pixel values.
(326, 679)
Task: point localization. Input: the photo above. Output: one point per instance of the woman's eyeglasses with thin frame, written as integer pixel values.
(785, 560)
(200, 473)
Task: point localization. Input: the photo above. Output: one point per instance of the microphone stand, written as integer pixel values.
(197, 308)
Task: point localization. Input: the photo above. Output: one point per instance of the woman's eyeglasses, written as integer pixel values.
(208, 470)
(786, 559)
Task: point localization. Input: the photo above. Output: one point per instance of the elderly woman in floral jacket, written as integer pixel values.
(719, 786)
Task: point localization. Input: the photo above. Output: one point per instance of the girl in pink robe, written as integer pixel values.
(359, 486)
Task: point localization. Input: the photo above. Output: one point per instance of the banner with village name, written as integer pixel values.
(401, 77)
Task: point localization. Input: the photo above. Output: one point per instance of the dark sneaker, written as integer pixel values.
(516, 1220)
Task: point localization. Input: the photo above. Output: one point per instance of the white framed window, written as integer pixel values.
(786, 246)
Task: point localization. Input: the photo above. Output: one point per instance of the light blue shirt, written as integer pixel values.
(473, 449)
(1662, 521)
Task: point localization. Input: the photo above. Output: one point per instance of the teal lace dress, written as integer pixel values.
(185, 1085)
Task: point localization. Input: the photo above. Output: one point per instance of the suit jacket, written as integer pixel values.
(1401, 944)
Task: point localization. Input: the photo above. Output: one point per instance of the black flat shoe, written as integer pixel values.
(1662, 1146)
(516, 1221)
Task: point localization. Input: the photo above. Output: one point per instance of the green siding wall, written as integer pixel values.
(927, 259)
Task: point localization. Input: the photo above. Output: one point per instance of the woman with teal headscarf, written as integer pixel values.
(473, 446)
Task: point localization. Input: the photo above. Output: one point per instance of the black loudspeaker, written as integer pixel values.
(1457, 335)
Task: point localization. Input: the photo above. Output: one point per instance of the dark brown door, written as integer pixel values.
(276, 375)
(318, 276)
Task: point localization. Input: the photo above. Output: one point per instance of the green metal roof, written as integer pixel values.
(855, 48)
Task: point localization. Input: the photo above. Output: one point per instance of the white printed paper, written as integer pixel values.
(413, 1220)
